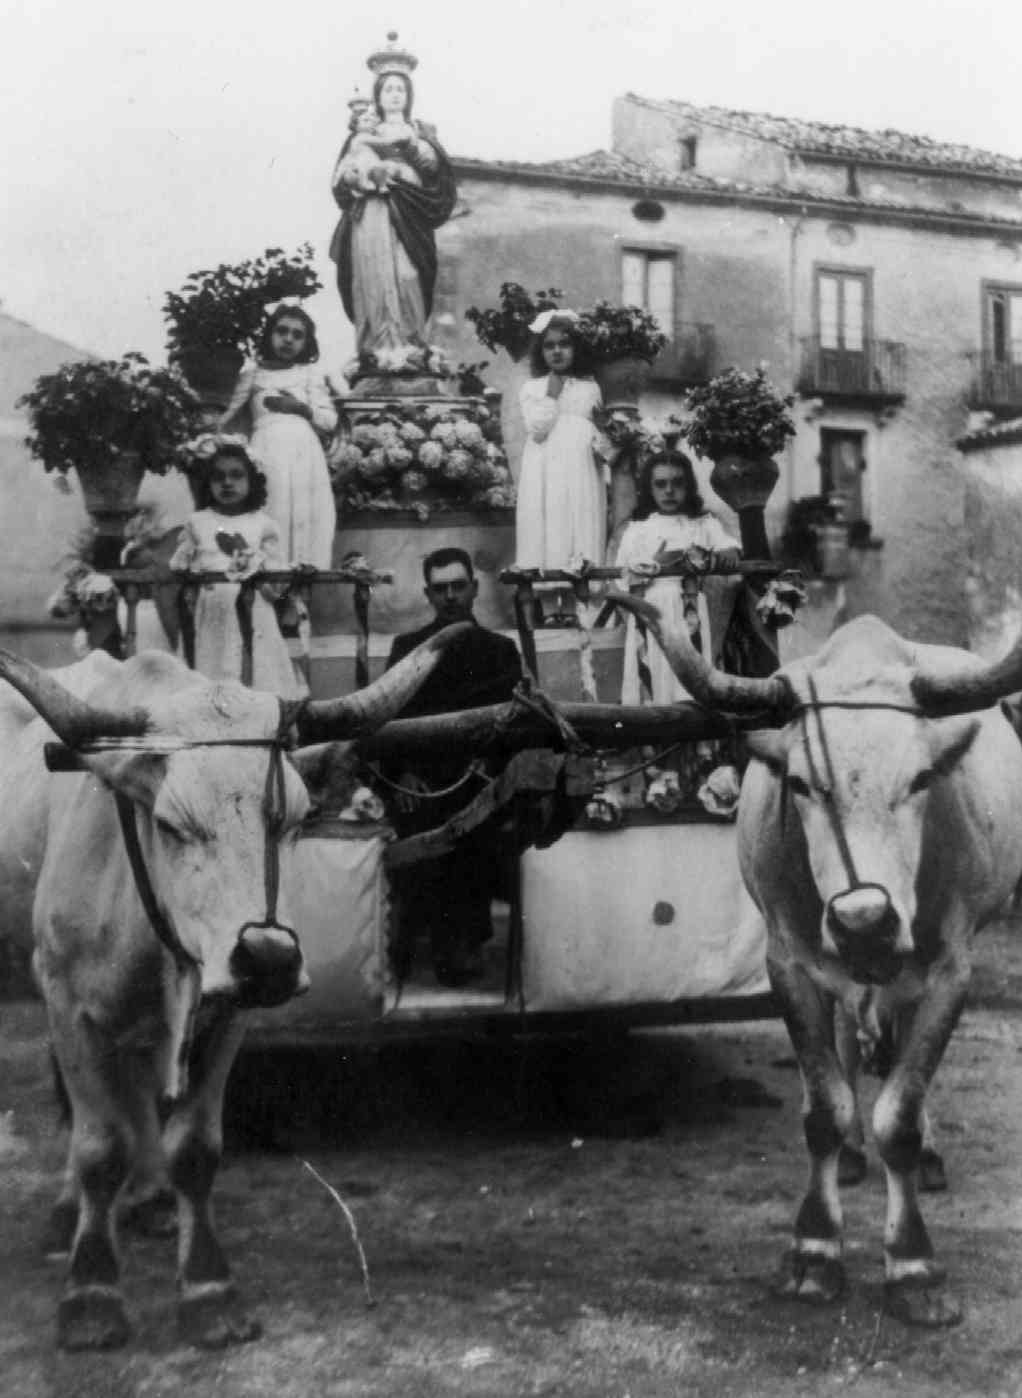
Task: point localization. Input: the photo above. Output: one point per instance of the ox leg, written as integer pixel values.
(148, 1204)
(852, 1166)
(209, 1313)
(91, 1313)
(915, 1290)
(813, 1270)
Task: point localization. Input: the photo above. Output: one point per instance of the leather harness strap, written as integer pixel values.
(826, 786)
(274, 808)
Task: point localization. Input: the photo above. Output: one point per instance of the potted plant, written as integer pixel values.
(110, 421)
(214, 321)
(740, 421)
(623, 342)
(507, 326)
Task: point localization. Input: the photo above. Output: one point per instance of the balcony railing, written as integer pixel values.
(690, 357)
(876, 372)
(997, 385)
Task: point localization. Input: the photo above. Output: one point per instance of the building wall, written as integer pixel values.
(653, 134)
(751, 274)
(993, 527)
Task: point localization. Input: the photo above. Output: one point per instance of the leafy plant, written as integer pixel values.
(507, 326)
(470, 378)
(224, 308)
(620, 332)
(608, 331)
(637, 442)
(738, 414)
(89, 412)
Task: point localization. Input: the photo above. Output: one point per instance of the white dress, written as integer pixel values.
(288, 452)
(639, 544)
(562, 498)
(218, 637)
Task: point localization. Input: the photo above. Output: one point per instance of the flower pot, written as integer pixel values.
(110, 490)
(832, 551)
(622, 381)
(745, 483)
(212, 373)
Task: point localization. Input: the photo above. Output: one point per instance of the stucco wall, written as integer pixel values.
(751, 274)
(993, 526)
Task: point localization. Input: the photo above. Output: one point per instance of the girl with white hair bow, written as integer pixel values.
(562, 502)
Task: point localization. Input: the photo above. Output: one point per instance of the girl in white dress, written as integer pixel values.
(669, 517)
(290, 402)
(231, 533)
(562, 498)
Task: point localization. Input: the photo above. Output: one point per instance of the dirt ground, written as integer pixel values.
(576, 1219)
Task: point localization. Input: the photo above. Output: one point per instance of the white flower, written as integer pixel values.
(719, 792)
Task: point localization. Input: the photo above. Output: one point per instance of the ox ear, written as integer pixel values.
(769, 745)
(952, 740)
(137, 775)
(330, 773)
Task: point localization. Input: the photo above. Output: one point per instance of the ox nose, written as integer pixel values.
(267, 964)
(862, 911)
(865, 928)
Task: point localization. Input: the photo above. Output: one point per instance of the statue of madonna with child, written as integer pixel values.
(394, 185)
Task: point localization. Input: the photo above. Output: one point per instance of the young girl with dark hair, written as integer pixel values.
(231, 533)
(290, 405)
(669, 517)
(562, 497)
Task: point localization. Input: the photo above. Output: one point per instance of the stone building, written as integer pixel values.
(877, 274)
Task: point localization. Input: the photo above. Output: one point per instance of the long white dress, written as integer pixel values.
(562, 498)
(218, 638)
(639, 544)
(288, 452)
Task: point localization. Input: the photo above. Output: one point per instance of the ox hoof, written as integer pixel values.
(851, 1166)
(214, 1319)
(811, 1278)
(58, 1235)
(922, 1302)
(155, 1217)
(92, 1319)
(932, 1175)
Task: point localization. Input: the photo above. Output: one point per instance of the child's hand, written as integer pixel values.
(727, 558)
(285, 402)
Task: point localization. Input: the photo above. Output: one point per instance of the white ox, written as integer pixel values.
(879, 826)
(135, 993)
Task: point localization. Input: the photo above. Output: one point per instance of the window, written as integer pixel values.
(648, 280)
(687, 153)
(842, 309)
(1003, 333)
(842, 466)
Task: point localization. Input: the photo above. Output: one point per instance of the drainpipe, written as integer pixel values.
(794, 232)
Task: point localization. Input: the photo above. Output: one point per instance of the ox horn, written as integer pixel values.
(708, 686)
(965, 691)
(75, 721)
(367, 709)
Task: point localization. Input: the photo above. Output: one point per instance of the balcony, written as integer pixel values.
(874, 374)
(690, 358)
(997, 385)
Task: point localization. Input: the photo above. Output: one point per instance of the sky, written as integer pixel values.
(143, 141)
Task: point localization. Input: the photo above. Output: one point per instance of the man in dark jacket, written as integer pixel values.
(450, 897)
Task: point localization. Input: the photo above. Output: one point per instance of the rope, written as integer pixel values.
(536, 702)
(473, 770)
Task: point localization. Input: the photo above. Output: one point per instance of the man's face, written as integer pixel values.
(451, 592)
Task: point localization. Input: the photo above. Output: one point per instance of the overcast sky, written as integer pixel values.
(142, 141)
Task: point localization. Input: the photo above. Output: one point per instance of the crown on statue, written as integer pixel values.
(358, 102)
(392, 59)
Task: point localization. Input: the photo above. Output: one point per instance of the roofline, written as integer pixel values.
(975, 225)
(985, 438)
(668, 105)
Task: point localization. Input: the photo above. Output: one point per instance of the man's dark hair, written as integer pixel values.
(443, 558)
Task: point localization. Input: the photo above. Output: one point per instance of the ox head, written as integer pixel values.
(212, 798)
(865, 733)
